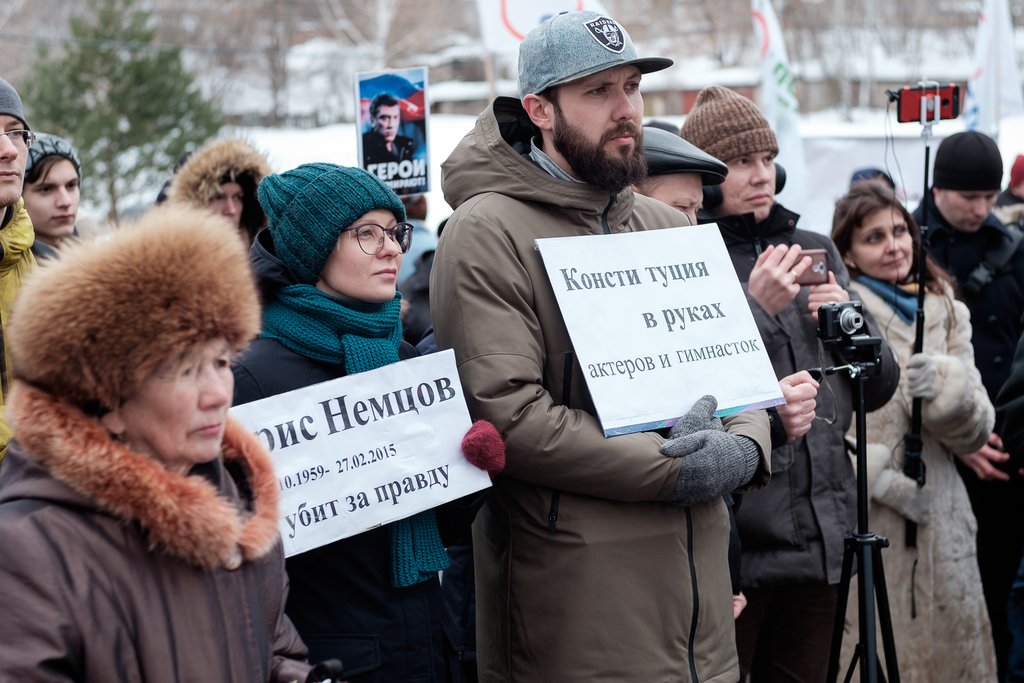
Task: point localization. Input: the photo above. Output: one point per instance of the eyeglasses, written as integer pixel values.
(22, 139)
(371, 236)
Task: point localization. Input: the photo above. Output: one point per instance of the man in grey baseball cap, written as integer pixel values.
(590, 552)
(16, 234)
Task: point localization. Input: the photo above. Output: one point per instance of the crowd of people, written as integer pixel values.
(140, 522)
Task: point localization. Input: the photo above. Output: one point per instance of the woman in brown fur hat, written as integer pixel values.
(138, 521)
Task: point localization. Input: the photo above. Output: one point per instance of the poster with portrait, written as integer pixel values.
(393, 113)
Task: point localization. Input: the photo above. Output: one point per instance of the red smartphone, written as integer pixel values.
(911, 99)
(817, 272)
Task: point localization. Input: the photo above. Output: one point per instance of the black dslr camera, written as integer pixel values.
(842, 331)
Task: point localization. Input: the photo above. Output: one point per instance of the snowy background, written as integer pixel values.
(833, 147)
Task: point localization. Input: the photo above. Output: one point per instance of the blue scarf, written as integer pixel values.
(361, 337)
(902, 298)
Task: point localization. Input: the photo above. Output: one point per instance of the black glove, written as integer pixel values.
(714, 462)
(327, 671)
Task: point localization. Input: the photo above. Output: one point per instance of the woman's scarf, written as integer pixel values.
(902, 298)
(360, 337)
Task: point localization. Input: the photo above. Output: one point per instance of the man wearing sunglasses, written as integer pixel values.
(16, 234)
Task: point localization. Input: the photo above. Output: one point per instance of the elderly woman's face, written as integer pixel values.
(350, 273)
(177, 416)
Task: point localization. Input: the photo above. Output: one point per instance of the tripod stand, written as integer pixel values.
(863, 545)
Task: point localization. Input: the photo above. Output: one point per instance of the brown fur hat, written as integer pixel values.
(198, 180)
(93, 325)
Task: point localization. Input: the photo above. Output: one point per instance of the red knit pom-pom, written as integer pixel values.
(484, 448)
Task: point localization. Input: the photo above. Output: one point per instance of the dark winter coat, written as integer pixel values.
(341, 598)
(996, 311)
(584, 570)
(375, 149)
(793, 530)
(142, 575)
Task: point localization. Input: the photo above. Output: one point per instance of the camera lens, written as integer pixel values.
(850, 321)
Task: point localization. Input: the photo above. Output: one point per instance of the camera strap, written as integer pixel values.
(994, 261)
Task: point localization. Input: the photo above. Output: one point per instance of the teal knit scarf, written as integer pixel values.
(361, 337)
(903, 299)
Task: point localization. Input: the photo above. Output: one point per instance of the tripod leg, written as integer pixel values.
(853, 663)
(840, 621)
(866, 606)
(885, 621)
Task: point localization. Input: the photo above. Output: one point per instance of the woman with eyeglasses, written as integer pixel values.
(328, 267)
(940, 622)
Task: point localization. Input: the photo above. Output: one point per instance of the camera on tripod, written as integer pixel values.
(842, 331)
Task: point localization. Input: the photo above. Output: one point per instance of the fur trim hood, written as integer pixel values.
(198, 180)
(184, 516)
(92, 326)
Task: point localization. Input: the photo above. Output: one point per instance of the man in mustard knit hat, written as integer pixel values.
(793, 530)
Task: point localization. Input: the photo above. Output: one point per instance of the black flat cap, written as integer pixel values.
(668, 153)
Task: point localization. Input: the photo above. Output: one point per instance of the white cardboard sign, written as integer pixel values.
(657, 319)
(367, 449)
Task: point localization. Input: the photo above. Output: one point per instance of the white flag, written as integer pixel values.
(994, 89)
(778, 102)
(503, 23)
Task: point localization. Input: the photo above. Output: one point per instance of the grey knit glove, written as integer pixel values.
(714, 462)
(700, 417)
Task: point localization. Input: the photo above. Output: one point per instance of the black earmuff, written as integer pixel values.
(713, 193)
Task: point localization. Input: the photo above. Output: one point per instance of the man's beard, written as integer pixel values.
(592, 165)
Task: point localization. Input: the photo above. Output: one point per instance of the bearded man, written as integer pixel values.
(596, 558)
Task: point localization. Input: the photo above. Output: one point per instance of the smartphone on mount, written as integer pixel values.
(911, 99)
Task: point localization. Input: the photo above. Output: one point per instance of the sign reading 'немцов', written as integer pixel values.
(367, 449)
(657, 320)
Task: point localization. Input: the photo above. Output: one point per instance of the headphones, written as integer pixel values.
(713, 193)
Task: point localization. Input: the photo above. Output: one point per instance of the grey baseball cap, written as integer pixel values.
(573, 45)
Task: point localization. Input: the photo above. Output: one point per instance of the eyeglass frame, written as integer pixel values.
(385, 233)
(27, 137)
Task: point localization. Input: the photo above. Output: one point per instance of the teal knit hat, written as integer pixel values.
(308, 207)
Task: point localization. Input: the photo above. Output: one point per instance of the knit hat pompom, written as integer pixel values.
(93, 325)
(968, 162)
(308, 207)
(727, 125)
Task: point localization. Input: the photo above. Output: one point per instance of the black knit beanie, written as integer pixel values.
(969, 162)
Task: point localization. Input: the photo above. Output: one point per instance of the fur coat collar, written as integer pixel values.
(184, 516)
